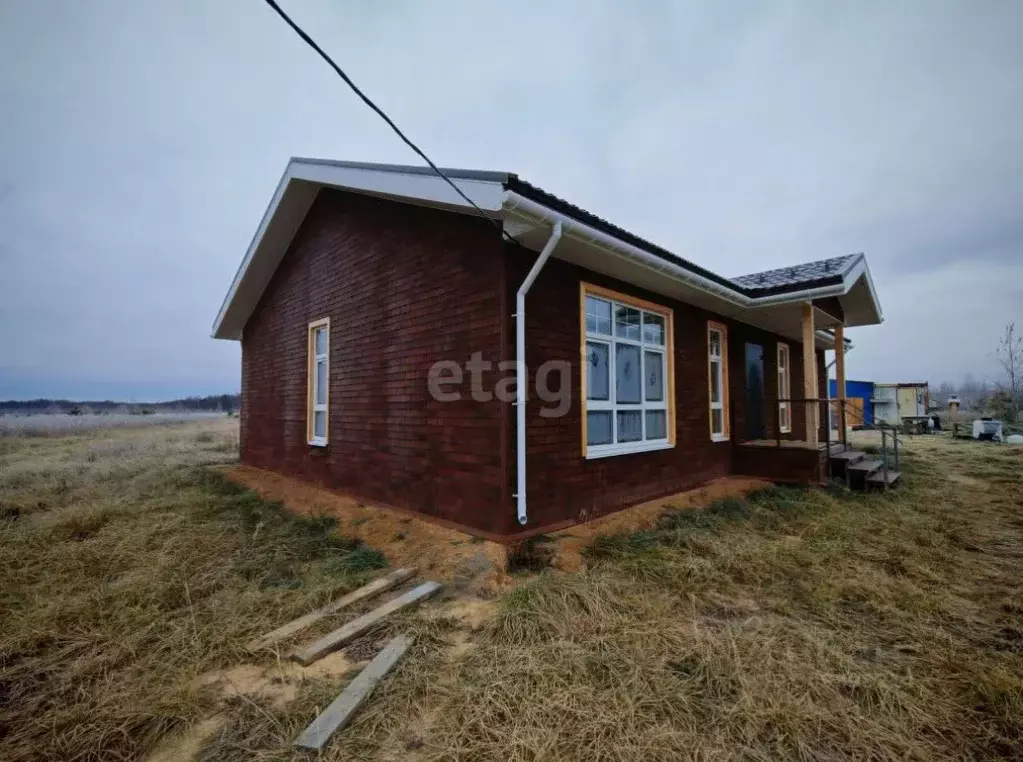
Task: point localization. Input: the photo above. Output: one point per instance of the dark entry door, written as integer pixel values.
(755, 392)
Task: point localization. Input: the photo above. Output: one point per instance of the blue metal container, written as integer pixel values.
(863, 390)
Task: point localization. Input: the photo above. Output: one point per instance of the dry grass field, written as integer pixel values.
(795, 624)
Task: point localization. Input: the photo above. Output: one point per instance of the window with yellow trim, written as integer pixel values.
(717, 372)
(784, 390)
(318, 393)
(627, 374)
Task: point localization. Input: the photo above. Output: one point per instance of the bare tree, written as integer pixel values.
(943, 392)
(1010, 357)
(972, 392)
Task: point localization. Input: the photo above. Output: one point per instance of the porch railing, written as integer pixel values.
(889, 433)
(825, 408)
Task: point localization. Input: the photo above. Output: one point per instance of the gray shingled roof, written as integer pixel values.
(784, 278)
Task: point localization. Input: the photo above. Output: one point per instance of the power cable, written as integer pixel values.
(390, 122)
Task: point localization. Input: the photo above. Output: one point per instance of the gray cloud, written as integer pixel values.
(140, 143)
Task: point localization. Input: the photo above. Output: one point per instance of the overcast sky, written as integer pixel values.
(140, 143)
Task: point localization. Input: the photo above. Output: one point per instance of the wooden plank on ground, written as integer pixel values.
(341, 709)
(375, 587)
(334, 640)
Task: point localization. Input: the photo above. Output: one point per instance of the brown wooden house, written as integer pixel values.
(382, 317)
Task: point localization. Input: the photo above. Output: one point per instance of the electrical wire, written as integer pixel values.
(390, 122)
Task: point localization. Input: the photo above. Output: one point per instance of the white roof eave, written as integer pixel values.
(303, 178)
(733, 301)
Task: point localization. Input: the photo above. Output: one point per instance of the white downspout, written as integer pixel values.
(521, 377)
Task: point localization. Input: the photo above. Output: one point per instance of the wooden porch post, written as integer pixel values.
(810, 374)
(840, 377)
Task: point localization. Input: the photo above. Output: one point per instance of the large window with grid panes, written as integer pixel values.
(627, 374)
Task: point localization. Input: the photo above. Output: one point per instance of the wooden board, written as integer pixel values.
(866, 466)
(341, 709)
(375, 587)
(884, 480)
(853, 412)
(334, 640)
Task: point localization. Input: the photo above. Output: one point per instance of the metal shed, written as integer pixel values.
(893, 402)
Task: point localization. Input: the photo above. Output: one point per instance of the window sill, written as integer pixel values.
(607, 451)
(719, 437)
(317, 442)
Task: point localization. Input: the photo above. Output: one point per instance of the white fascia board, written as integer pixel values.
(298, 186)
(527, 208)
(581, 231)
(430, 189)
(264, 223)
(860, 270)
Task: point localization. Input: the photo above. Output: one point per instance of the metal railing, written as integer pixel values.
(888, 430)
(825, 407)
(831, 412)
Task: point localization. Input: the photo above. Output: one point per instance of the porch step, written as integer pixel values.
(878, 478)
(865, 467)
(848, 457)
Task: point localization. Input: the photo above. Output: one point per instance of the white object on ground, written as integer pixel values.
(988, 428)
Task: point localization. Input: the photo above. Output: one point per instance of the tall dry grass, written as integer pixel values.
(797, 624)
(129, 569)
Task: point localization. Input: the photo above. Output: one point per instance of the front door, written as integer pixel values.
(755, 392)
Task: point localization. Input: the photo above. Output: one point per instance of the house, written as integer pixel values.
(381, 318)
(860, 408)
(895, 402)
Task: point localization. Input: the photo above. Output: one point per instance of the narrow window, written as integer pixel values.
(717, 371)
(319, 384)
(784, 390)
(627, 374)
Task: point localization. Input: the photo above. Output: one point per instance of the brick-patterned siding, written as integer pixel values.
(782, 464)
(404, 287)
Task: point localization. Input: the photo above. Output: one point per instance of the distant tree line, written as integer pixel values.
(225, 403)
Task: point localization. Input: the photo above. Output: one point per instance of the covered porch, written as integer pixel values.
(801, 432)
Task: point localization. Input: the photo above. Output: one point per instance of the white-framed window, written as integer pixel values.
(319, 382)
(717, 373)
(784, 389)
(627, 374)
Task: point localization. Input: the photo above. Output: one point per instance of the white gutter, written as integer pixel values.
(583, 232)
(529, 208)
(521, 376)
